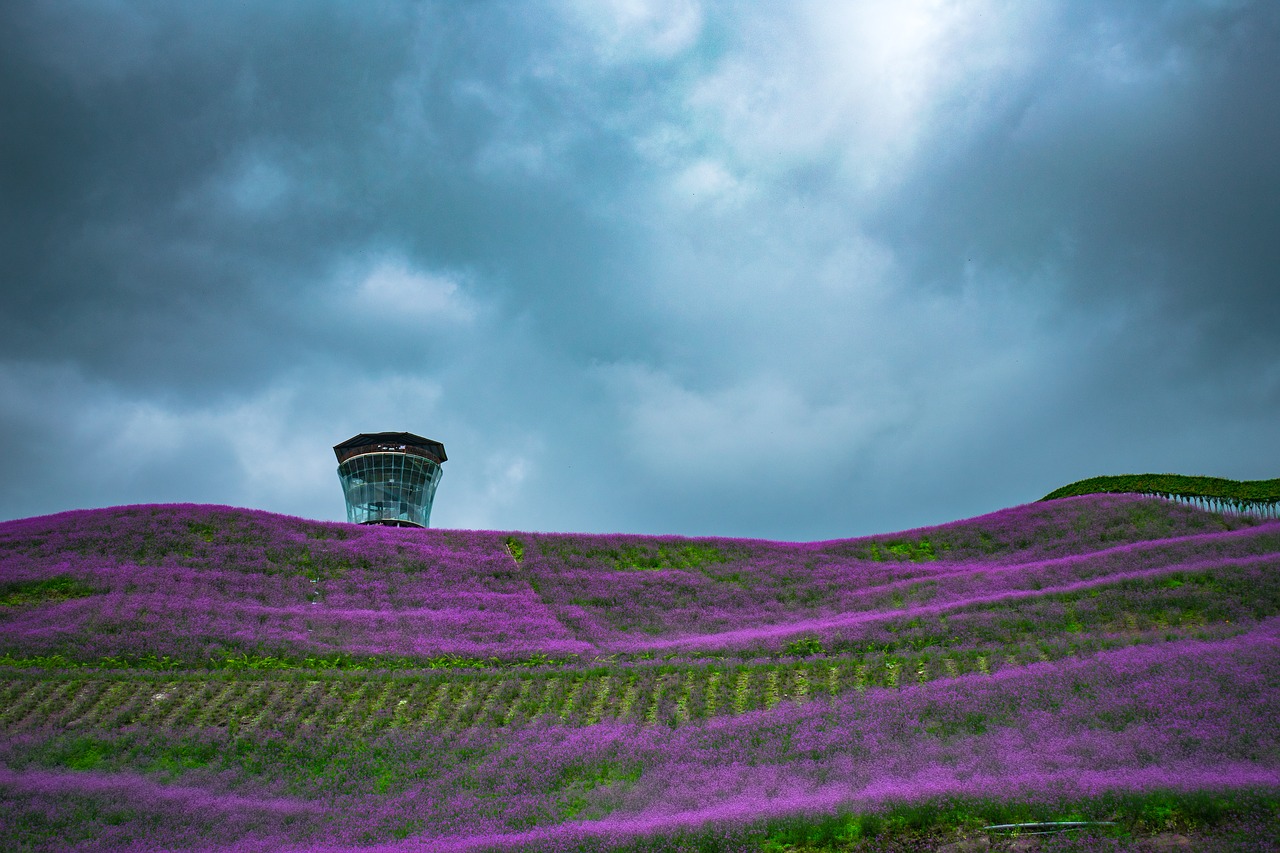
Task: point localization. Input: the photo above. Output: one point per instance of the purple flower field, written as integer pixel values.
(209, 678)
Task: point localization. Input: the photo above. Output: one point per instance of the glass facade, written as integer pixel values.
(389, 488)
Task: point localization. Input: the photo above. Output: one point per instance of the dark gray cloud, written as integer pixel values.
(1139, 165)
(793, 272)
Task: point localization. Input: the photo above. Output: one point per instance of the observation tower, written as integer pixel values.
(389, 477)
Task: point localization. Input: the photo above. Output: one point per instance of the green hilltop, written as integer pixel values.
(1243, 495)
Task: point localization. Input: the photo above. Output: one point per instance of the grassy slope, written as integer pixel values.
(217, 653)
(1247, 492)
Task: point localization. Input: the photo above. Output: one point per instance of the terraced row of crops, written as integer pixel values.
(451, 702)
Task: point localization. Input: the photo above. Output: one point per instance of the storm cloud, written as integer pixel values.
(791, 271)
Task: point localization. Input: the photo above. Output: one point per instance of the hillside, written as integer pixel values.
(210, 678)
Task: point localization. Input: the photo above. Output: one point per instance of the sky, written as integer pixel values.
(794, 271)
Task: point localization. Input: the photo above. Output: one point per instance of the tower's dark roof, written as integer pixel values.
(393, 442)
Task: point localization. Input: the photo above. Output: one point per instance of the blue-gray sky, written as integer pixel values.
(784, 270)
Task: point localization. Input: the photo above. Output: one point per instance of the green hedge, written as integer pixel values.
(1175, 485)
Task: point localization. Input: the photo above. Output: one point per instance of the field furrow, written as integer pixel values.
(38, 703)
(109, 696)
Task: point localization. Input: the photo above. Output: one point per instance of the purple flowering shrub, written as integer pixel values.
(209, 678)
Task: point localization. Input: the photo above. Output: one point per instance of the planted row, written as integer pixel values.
(656, 694)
